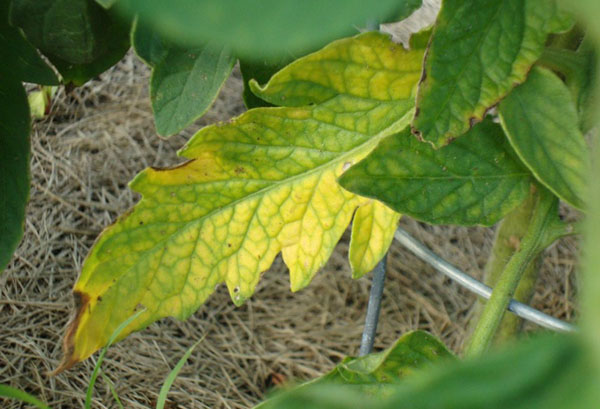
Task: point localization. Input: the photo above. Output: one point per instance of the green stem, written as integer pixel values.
(536, 237)
(507, 241)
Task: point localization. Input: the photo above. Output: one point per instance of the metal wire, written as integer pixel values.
(522, 310)
(373, 308)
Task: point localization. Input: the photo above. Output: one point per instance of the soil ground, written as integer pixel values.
(94, 141)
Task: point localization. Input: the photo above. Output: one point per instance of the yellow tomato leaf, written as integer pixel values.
(261, 184)
(373, 230)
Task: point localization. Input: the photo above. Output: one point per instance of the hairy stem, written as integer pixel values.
(541, 222)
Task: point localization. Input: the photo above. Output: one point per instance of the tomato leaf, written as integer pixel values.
(377, 374)
(549, 372)
(479, 51)
(261, 184)
(20, 60)
(14, 165)
(319, 77)
(540, 120)
(79, 37)
(373, 230)
(260, 71)
(270, 28)
(475, 180)
(148, 45)
(184, 82)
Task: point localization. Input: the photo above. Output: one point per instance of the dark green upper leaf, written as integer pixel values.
(475, 180)
(78, 36)
(480, 50)
(184, 82)
(14, 165)
(253, 30)
(540, 120)
(19, 59)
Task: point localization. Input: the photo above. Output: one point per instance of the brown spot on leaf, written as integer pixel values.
(417, 133)
(82, 303)
(473, 121)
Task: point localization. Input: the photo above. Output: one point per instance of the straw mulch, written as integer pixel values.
(94, 141)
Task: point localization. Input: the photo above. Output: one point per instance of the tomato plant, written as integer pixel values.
(480, 120)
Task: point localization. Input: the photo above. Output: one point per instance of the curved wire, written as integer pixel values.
(522, 310)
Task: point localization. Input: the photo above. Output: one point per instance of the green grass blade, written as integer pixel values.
(111, 386)
(113, 337)
(13, 393)
(164, 390)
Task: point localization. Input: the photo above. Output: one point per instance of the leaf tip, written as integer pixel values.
(69, 358)
(256, 88)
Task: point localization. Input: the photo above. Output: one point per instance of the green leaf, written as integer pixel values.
(578, 68)
(377, 373)
(260, 71)
(14, 165)
(475, 180)
(319, 77)
(20, 60)
(550, 372)
(271, 28)
(480, 50)
(14, 393)
(184, 82)
(414, 350)
(79, 37)
(540, 120)
(148, 44)
(258, 185)
(373, 230)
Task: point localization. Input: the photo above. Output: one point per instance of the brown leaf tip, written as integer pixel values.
(68, 360)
